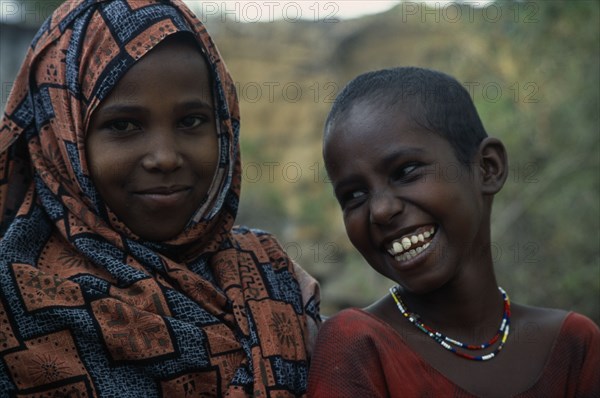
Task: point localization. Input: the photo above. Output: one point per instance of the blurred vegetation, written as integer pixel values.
(533, 70)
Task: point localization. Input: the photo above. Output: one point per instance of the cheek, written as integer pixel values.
(107, 165)
(205, 160)
(357, 230)
(209, 165)
(102, 171)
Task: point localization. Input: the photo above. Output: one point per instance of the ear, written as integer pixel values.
(493, 165)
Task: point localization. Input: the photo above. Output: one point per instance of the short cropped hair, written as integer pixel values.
(433, 100)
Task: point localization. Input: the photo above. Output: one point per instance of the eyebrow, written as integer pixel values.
(124, 109)
(120, 109)
(194, 104)
(400, 153)
(387, 160)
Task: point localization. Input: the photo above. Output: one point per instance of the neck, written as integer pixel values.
(461, 306)
(478, 339)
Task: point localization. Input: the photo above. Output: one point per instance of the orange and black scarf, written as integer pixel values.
(87, 308)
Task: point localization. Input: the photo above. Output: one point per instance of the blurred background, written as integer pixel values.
(532, 68)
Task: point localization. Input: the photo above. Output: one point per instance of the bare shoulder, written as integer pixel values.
(553, 322)
(548, 317)
(537, 323)
(549, 320)
(536, 330)
(384, 309)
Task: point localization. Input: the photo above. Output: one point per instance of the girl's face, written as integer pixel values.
(410, 207)
(152, 144)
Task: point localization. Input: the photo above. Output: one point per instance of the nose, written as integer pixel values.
(163, 154)
(384, 206)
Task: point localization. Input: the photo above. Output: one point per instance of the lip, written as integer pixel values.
(162, 190)
(412, 262)
(412, 230)
(163, 196)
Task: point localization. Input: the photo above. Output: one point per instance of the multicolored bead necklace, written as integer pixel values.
(448, 342)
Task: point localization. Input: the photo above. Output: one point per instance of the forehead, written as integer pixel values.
(371, 133)
(368, 125)
(175, 63)
(171, 77)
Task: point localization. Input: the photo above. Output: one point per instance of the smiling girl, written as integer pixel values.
(446, 329)
(121, 274)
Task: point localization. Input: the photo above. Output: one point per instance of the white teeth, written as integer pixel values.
(405, 256)
(398, 248)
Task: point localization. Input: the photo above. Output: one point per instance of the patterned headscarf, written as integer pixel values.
(87, 308)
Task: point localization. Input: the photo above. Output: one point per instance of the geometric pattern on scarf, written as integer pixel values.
(87, 308)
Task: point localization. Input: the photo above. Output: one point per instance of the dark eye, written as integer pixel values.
(356, 194)
(191, 122)
(405, 172)
(122, 126)
(352, 198)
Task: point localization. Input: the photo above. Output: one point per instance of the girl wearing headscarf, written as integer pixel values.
(121, 273)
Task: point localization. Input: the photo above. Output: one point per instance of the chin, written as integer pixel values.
(161, 235)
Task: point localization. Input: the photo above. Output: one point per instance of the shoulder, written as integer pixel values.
(582, 322)
(537, 320)
(355, 326)
(261, 243)
(569, 337)
(243, 235)
(576, 355)
(351, 318)
(348, 359)
(559, 322)
(242, 230)
(580, 329)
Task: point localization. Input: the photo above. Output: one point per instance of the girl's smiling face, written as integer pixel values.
(412, 210)
(152, 143)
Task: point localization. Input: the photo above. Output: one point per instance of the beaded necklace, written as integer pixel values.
(448, 342)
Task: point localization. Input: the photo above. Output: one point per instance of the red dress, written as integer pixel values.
(358, 355)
